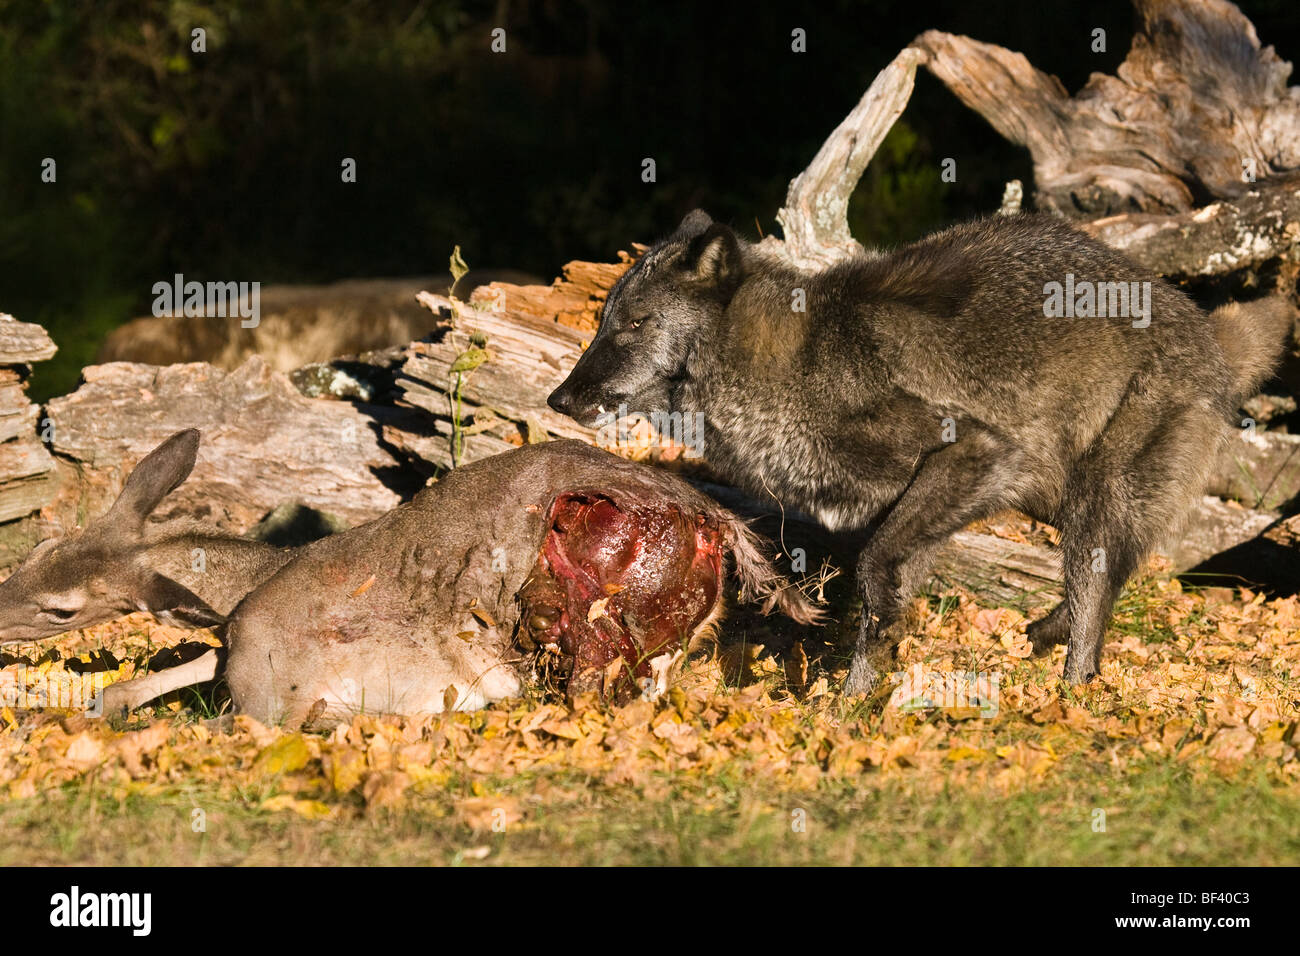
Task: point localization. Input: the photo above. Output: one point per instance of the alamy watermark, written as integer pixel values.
(1085, 299)
(29, 687)
(921, 689)
(74, 908)
(615, 429)
(212, 299)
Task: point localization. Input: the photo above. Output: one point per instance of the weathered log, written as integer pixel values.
(1216, 240)
(814, 219)
(526, 358)
(1259, 469)
(1213, 526)
(1000, 571)
(264, 444)
(574, 299)
(483, 379)
(17, 414)
(1197, 112)
(1270, 561)
(1197, 109)
(27, 481)
(22, 343)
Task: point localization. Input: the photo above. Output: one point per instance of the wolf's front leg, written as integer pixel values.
(883, 587)
(863, 676)
(957, 484)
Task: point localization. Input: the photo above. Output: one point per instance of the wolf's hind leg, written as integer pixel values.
(1097, 563)
(1130, 489)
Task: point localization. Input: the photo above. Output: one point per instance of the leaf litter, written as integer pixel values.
(1189, 678)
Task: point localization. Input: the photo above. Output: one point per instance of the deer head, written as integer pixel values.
(101, 573)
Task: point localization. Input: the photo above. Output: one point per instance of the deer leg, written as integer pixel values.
(128, 695)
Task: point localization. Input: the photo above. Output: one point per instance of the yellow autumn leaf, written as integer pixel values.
(285, 755)
(311, 809)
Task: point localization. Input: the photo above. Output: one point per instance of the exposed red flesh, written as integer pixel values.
(659, 569)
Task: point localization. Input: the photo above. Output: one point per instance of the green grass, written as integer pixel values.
(1157, 814)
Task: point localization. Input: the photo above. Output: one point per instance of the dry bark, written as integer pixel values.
(22, 343)
(573, 300)
(1270, 561)
(814, 219)
(1259, 469)
(501, 402)
(1197, 110)
(264, 444)
(1216, 240)
(27, 480)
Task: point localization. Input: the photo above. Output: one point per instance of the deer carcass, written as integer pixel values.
(446, 602)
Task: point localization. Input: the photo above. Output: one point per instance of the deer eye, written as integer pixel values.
(60, 613)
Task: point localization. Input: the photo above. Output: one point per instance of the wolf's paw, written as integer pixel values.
(862, 678)
(1078, 671)
(1045, 634)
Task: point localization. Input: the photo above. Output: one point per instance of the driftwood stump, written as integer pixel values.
(1197, 111)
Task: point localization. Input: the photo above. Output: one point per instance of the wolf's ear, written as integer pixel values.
(157, 474)
(696, 221)
(714, 257)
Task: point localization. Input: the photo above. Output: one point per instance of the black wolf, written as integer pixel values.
(982, 368)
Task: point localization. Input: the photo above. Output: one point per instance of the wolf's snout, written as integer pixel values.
(568, 401)
(561, 400)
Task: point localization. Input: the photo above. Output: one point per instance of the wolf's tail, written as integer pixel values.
(1252, 335)
(760, 581)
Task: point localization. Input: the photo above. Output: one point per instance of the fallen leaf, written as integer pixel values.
(385, 788)
(796, 666)
(138, 744)
(286, 755)
(85, 750)
(597, 609)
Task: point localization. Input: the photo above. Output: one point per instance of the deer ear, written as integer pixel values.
(714, 256)
(44, 547)
(174, 603)
(161, 471)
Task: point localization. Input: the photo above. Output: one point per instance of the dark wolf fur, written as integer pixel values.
(1099, 427)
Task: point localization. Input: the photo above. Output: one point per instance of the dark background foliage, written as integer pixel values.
(226, 164)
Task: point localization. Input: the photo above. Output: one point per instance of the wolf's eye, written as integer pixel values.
(636, 323)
